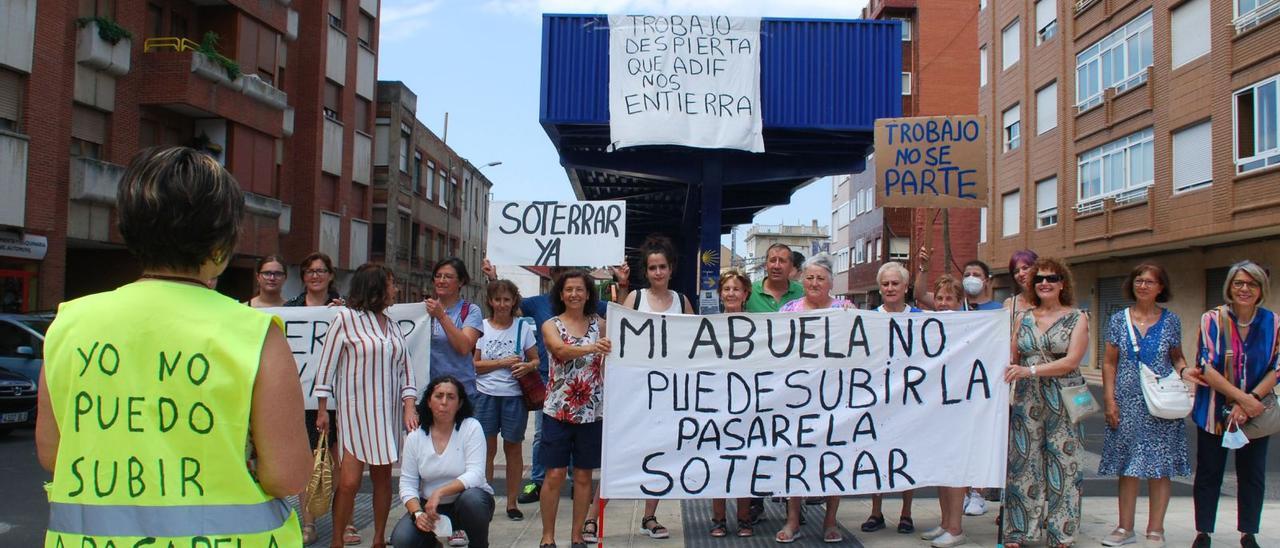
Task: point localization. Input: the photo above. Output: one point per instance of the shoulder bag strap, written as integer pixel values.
(1132, 333)
(635, 305)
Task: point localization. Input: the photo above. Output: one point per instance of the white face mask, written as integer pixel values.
(1234, 439)
(972, 285)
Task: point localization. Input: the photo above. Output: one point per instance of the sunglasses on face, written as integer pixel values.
(1051, 278)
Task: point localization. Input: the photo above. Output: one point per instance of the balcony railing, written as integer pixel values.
(1082, 5)
(1131, 196)
(1257, 16)
(1091, 206)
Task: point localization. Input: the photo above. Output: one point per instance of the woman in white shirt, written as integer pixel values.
(442, 471)
(505, 352)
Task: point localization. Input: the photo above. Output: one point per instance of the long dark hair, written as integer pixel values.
(557, 290)
(465, 409)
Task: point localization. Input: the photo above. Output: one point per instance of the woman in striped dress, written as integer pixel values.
(365, 364)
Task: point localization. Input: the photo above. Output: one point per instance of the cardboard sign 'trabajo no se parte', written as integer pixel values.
(935, 161)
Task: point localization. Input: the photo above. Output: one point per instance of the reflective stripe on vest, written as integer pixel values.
(167, 521)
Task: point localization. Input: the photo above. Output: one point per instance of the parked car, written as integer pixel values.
(22, 343)
(17, 401)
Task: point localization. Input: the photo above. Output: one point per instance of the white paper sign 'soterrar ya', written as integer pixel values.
(557, 233)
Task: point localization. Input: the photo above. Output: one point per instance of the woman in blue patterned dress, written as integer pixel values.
(1042, 487)
(1139, 445)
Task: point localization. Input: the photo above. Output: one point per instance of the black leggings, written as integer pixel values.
(471, 512)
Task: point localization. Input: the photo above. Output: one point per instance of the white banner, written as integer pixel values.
(832, 402)
(305, 328)
(557, 233)
(685, 80)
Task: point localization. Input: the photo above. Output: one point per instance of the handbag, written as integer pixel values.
(320, 485)
(1268, 422)
(1167, 397)
(532, 389)
(1076, 397)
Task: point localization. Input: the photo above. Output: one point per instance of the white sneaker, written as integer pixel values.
(948, 540)
(933, 533)
(459, 538)
(974, 504)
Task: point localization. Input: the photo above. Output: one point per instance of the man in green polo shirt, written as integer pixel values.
(769, 294)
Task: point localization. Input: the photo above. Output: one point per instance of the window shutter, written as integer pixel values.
(10, 94)
(88, 125)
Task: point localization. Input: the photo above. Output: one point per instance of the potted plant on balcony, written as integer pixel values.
(103, 45)
(225, 71)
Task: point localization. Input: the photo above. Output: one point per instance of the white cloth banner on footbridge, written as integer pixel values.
(827, 402)
(306, 326)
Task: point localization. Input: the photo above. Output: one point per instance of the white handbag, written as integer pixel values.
(1167, 397)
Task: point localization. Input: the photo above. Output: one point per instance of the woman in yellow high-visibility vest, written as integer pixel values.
(154, 395)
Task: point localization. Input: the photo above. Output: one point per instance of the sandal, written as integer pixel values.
(654, 531)
(873, 524)
(351, 535)
(745, 530)
(589, 531)
(309, 535)
(719, 528)
(1155, 539)
(905, 525)
(786, 536)
(832, 535)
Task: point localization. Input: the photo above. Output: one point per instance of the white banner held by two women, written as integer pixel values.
(827, 402)
(685, 80)
(306, 326)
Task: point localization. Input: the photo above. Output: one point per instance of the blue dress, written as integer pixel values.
(1144, 446)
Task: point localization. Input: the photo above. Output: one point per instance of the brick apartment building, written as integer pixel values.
(1132, 130)
(939, 77)
(428, 202)
(283, 100)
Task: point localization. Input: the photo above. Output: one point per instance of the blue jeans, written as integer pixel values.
(538, 472)
(471, 512)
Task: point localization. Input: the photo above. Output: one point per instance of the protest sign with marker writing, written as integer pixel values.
(306, 326)
(689, 80)
(557, 233)
(829, 402)
(938, 161)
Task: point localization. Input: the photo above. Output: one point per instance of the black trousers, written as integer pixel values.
(471, 511)
(1251, 470)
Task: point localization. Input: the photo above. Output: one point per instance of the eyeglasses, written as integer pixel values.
(445, 277)
(1051, 278)
(316, 272)
(1241, 284)
(1140, 282)
(271, 274)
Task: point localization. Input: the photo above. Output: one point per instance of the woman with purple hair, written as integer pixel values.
(1020, 269)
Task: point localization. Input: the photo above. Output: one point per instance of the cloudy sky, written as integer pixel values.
(479, 62)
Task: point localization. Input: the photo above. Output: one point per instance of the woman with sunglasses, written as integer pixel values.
(1139, 445)
(270, 280)
(1237, 358)
(1044, 444)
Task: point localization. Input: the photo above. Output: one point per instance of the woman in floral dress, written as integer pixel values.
(1044, 445)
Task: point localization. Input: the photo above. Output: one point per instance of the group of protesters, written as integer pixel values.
(483, 359)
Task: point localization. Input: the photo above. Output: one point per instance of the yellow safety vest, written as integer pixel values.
(151, 386)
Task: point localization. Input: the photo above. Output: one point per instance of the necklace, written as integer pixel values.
(179, 279)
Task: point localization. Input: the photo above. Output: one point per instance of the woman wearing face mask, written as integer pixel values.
(976, 283)
(1247, 333)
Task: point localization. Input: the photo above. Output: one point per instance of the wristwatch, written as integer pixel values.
(417, 513)
(1033, 371)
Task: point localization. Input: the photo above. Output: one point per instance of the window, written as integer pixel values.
(364, 30)
(431, 181)
(1010, 44)
(359, 243)
(443, 185)
(906, 28)
(336, 10)
(379, 231)
(842, 215)
(1046, 20)
(330, 229)
(1011, 218)
(417, 172)
(1189, 31)
(877, 250)
(155, 20)
(1117, 61)
(982, 66)
(982, 5)
(906, 83)
(332, 101)
(1047, 108)
(899, 248)
(1256, 120)
(10, 99)
(1251, 13)
(1193, 156)
(982, 225)
(1012, 120)
(405, 138)
(362, 115)
(88, 132)
(1047, 202)
(453, 192)
(858, 256)
(97, 8)
(1121, 165)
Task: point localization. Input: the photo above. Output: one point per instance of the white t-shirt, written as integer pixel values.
(422, 471)
(495, 344)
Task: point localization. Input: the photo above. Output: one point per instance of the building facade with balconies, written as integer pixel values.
(1131, 130)
(429, 203)
(938, 78)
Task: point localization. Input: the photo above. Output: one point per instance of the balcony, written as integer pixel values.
(366, 61)
(95, 181)
(335, 66)
(190, 83)
(1257, 16)
(96, 53)
(332, 156)
(291, 26)
(18, 27)
(13, 178)
(362, 159)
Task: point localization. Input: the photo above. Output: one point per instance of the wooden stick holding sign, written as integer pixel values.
(938, 161)
(557, 233)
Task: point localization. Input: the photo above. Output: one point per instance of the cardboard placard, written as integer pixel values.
(932, 161)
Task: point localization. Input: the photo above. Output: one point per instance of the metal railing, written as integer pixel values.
(1092, 206)
(169, 43)
(1131, 196)
(1082, 5)
(1257, 16)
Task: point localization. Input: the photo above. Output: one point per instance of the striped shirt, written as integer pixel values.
(1254, 357)
(367, 369)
